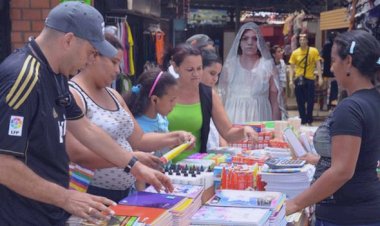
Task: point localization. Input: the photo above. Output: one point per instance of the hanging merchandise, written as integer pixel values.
(122, 31)
(149, 48)
(131, 63)
(365, 14)
(288, 24)
(371, 22)
(160, 47)
(154, 45)
(298, 25)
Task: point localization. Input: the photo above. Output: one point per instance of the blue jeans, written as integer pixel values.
(305, 95)
(325, 223)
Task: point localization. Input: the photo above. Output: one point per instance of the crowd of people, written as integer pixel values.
(57, 107)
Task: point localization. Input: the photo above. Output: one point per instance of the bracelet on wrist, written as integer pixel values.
(130, 164)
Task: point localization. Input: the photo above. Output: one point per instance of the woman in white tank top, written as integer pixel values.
(106, 108)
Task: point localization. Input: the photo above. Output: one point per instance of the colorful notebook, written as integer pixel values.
(80, 177)
(231, 216)
(183, 190)
(145, 214)
(153, 200)
(250, 199)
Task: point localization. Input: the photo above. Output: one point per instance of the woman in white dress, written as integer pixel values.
(249, 83)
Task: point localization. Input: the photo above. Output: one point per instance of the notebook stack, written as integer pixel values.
(291, 181)
(272, 201)
(143, 215)
(218, 215)
(115, 220)
(182, 213)
(147, 202)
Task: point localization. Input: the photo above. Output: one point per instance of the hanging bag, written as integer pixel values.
(301, 79)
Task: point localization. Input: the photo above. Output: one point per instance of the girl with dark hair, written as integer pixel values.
(152, 99)
(346, 187)
(212, 66)
(150, 102)
(198, 103)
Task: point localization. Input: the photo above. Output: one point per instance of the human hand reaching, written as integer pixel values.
(90, 207)
(310, 158)
(149, 160)
(157, 179)
(250, 134)
(183, 137)
(291, 207)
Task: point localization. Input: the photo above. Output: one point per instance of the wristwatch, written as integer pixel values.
(131, 163)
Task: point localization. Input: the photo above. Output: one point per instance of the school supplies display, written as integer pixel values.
(215, 158)
(174, 152)
(274, 163)
(186, 209)
(146, 215)
(248, 199)
(80, 177)
(297, 149)
(216, 215)
(225, 150)
(153, 200)
(237, 177)
(290, 181)
(230, 174)
(278, 152)
(308, 144)
(183, 190)
(191, 175)
(205, 163)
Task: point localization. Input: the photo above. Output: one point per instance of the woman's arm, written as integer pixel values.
(345, 152)
(273, 98)
(224, 125)
(80, 154)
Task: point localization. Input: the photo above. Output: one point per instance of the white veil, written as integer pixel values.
(230, 64)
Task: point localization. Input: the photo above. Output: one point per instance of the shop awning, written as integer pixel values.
(334, 19)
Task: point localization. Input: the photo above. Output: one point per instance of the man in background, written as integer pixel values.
(303, 61)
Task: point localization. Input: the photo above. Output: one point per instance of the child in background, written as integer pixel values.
(151, 100)
(278, 57)
(212, 66)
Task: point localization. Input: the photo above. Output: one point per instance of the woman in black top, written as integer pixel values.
(346, 187)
